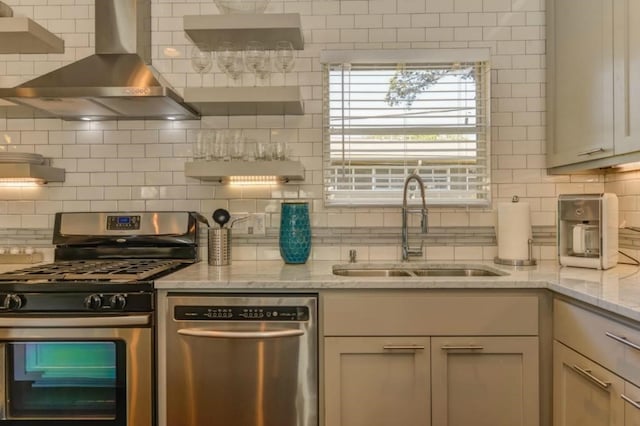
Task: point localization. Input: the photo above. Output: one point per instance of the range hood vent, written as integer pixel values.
(117, 83)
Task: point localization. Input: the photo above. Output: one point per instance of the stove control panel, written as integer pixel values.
(123, 223)
(76, 302)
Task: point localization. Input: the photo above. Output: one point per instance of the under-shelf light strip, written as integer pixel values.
(254, 180)
(14, 182)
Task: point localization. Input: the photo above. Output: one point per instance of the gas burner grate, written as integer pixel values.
(94, 270)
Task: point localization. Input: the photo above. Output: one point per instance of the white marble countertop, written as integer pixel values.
(616, 290)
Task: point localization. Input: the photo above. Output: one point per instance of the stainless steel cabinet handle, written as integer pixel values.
(630, 401)
(73, 322)
(403, 347)
(587, 374)
(219, 334)
(591, 151)
(462, 347)
(623, 340)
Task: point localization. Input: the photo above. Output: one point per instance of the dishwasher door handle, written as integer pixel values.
(219, 334)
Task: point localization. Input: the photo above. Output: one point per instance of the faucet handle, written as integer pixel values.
(424, 222)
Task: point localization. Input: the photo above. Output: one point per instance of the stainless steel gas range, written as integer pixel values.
(76, 336)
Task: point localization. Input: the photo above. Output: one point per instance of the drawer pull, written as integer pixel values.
(623, 340)
(462, 347)
(630, 401)
(592, 151)
(587, 374)
(403, 347)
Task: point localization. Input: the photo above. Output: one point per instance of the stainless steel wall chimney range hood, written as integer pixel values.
(116, 83)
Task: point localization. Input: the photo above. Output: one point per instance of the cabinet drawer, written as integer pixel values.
(410, 313)
(603, 340)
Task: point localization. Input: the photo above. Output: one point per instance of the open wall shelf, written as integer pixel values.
(265, 27)
(220, 171)
(24, 35)
(268, 100)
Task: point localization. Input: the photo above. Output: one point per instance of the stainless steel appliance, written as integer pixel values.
(241, 360)
(588, 230)
(76, 335)
(117, 82)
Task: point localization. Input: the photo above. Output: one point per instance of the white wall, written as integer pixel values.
(123, 165)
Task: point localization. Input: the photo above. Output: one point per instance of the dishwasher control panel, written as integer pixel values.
(241, 313)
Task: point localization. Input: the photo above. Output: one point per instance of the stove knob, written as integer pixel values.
(12, 302)
(93, 302)
(118, 301)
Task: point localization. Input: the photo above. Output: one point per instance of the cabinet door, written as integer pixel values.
(584, 393)
(631, 397)
(485, 381)
(627, 76)
(377, 381)
(580, 81)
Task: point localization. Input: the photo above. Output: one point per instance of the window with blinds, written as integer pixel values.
(386, 120)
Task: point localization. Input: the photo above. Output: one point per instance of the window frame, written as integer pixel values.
(393, 58)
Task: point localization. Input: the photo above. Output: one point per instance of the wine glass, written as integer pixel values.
(201, 59)
(264, 71)
(284, 57)
(225, 55)
(254, 57)
(234, 68)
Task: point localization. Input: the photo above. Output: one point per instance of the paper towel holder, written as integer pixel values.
(518, 262)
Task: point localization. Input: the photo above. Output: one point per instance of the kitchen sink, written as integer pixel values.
(415, 270)
(373, 272)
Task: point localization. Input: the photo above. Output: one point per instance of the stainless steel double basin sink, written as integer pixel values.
(415, 270)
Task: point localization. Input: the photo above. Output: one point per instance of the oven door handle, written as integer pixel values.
(219, 334)
(3, 381)
(75, 322)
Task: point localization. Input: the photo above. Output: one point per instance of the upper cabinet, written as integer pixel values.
(593, 55)
(24, 35)
(268, 28)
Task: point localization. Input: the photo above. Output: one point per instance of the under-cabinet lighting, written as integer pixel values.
(628, 167)
(21, 182)
(254, 180)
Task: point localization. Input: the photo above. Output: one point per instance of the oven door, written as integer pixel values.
(76, 371)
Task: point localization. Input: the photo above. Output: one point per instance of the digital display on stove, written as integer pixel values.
(123, 223)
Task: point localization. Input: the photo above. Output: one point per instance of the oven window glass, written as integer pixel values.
(67, 380)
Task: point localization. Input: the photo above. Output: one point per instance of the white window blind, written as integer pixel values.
(382, 121)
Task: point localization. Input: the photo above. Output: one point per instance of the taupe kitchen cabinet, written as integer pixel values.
(593, 77)
(437, 357)
(484, 381)
(585, 393)
(596, 368)
(377, 381)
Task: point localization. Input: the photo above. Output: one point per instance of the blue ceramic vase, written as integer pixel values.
(295, 232)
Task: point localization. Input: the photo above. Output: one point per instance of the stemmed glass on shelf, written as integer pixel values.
(201, 59)
(284, 57)
(229, 60)
(255, 58)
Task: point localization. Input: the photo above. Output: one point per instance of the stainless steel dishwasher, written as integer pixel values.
(242, 360)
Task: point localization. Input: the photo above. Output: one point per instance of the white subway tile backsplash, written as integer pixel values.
(136, 165)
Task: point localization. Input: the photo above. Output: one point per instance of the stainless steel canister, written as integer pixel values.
(219, 246)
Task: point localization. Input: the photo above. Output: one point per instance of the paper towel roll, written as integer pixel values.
(514, 231)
